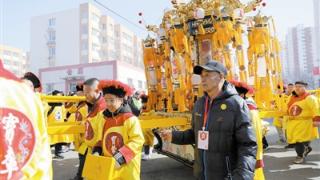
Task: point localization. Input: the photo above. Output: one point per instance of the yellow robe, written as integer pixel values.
(300, 121)
(123, 133)
(257, 125)
(281, 104)
(79, 115)
(58, 115)
(148, 136)
(93, 134)
(31, 149)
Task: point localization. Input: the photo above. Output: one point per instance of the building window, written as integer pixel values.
(95, 32)
(52, 35)
(14, 54)
(104, 26)
(104, 40)
(52, 51)
(139, 84)
(84, 15)
(8, 53)
(84, 46)
(84, 29)
(6, 62)
(95, 17)
(130, 82)
(52, 22)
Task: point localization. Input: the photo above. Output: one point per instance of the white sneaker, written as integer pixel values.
(146, 157)
(299, 160)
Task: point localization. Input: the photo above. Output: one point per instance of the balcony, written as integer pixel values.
(51, 43)
(52, 61)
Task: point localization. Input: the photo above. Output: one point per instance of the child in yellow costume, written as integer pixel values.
(24, 142)
(122, 136)
(242, 89)
(57, 114)
(303, 110)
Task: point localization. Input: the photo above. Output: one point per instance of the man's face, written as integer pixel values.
(90, 92)
(290, 88)
(113, 102)
(300, 89)
(210, 80)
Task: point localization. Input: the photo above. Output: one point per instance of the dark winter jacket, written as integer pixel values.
(232, 144)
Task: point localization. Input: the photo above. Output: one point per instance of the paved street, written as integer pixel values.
(278, 165)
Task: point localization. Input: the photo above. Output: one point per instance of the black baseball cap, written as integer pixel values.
(301, 83)
(211, 65)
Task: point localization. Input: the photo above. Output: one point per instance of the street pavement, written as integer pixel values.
(278, 164)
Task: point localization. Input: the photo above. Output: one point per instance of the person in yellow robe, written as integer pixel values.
(122, 136)
(303, 111)
(57, 114)
(242, 89)
(147, 133)
(78, 112)
(24, 143)
(280, 104)
(94, 105)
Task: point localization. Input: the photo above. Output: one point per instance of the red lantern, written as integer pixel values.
(140, 13)
(140, 22)
(264, 4)
(254, 9)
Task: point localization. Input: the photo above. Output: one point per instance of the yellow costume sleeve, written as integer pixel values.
(135, 139)
(313, 104)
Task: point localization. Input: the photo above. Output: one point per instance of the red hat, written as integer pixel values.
(115, 87)
(242, 87)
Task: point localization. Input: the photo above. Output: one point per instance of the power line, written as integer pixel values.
(124, 18)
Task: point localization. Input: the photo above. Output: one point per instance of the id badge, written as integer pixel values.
(203, 140)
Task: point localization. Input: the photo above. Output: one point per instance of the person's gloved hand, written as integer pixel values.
(119, 159)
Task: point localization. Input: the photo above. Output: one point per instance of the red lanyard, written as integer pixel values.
(205, 114)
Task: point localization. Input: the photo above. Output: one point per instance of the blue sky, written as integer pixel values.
(15, 15)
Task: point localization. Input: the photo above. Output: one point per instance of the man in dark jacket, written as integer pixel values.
(225, 145)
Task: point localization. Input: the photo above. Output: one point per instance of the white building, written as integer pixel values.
(65, 78)
(14, 59)
(301, 55)
(78, 36)
(316, 13)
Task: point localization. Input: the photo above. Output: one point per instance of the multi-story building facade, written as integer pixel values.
(14, 59)
(301, 55)
(81, 35)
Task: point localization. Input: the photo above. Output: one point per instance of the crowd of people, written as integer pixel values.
(226, 129)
